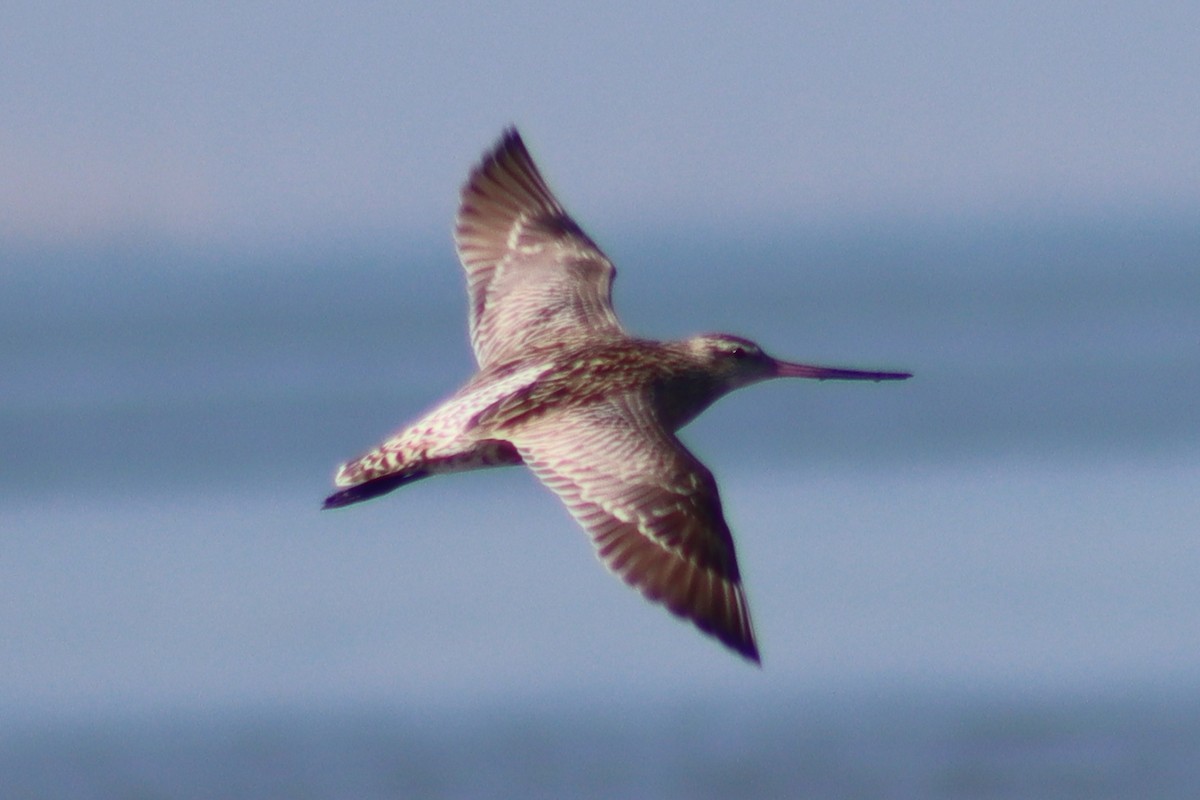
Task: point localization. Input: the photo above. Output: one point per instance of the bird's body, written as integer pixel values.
(591, 410)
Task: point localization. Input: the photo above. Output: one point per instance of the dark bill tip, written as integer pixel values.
(784, 369)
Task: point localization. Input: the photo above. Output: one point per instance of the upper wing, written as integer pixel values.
(651, 509)
(532, 275)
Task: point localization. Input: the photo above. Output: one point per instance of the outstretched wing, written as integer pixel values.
(651, 509)
(533, 276)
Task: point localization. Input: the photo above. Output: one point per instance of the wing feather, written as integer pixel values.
(533, 276)
(650, 507)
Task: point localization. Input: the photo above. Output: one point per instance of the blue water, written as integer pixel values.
(890, 747)
(1025, 340)
(980, 583)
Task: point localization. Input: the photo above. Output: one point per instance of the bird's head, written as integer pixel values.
(731, 361)
(735, 362)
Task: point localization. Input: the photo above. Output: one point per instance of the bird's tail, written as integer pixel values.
(397, 462)
(373, 488)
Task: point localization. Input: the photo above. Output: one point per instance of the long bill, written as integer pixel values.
(784, 369)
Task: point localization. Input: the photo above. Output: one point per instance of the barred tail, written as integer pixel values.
(373, 488)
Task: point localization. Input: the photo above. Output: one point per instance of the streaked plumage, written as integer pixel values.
(562, 388)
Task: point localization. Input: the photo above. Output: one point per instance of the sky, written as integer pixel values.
(225, 265)
(277, 123)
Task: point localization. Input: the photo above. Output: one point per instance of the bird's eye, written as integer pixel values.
(742, 351)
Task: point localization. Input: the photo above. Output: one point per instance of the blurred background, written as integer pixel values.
(226, 266)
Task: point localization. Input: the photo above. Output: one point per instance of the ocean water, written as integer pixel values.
(879, 747)
(979, 583)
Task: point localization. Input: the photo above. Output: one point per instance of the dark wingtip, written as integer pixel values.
(510, 142)
(741, 642)
(744, 646)
(510, 136)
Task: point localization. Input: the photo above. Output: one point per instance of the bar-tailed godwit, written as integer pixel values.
(593, 411)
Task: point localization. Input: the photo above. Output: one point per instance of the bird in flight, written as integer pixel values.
(593, 411)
